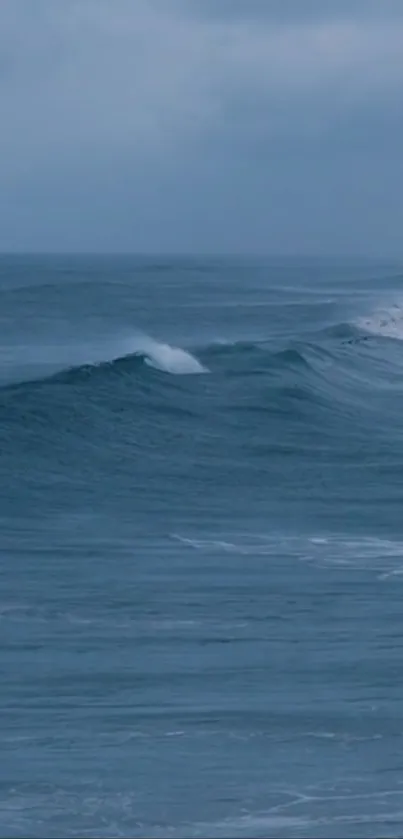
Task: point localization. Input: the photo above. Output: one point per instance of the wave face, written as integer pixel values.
(202, 546)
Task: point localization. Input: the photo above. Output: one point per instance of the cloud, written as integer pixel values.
(141, 77)
(94, 90)
(294, 11)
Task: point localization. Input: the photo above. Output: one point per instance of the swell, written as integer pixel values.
(342, 370)
(237, 359)
(247, 356)
(115, 355)
(223, 356)
(329, 365)
(119, 358)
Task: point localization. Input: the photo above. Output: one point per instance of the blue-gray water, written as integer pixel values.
(201, 511)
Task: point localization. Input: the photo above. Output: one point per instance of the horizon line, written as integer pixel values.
(198, 255)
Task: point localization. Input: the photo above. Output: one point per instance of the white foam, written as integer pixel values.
(382, 556)
(170, 359)
(387, 322)
(264, 824)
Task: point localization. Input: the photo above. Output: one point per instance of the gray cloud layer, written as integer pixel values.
(164, 124)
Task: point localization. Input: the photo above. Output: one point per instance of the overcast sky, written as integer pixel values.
(270, 126)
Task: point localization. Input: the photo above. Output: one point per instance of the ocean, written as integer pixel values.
(201, 544)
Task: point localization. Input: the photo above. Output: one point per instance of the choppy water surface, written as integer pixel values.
(201, 548)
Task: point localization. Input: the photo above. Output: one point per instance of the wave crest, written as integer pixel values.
(170, 359)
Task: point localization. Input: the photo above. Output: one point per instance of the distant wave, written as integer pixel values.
(385, 322)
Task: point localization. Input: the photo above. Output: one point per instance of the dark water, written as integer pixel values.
(201, 509)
